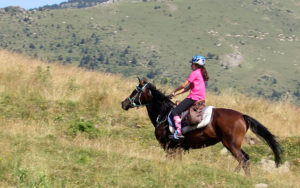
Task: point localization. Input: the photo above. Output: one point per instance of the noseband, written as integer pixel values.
(138, 94)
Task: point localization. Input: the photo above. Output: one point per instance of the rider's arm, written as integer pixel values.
(185, 86)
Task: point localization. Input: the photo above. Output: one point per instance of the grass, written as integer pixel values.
(64, 127)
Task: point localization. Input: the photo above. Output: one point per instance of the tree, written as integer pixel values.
(68, 59)
(124, 53)
(133, 61)
(60, 58)
(88, 62)
(31, 46)
(153, 73)
(107, 61)
(84, 60)
(151, 63)
(101, 57)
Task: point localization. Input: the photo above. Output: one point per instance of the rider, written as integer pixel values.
(196, 84)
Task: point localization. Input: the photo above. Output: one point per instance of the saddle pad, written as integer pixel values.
(206, 119)
(206, 116)
(171, 123)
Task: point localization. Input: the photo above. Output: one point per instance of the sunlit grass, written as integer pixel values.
(40, 104)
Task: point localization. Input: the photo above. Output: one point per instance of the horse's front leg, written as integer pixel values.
(174, 153)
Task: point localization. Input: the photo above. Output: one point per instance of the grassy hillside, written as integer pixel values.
(253, 45)
(63, 126)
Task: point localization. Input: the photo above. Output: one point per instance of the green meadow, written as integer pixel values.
(63, 126)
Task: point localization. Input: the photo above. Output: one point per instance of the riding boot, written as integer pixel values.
(178, 132)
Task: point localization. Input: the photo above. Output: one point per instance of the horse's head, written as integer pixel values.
(140, 96)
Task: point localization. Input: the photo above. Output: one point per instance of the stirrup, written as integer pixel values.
(176, 136)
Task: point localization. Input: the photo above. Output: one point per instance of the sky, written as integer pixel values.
(28, 4)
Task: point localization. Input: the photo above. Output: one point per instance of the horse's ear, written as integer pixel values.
(140, 81)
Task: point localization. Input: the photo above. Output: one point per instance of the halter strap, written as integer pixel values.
(138, 94)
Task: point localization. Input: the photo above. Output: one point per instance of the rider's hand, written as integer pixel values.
(172, 95)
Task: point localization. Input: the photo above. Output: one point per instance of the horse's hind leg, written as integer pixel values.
(238, 168)
(240, 155)
(243, 160)
(246, 163)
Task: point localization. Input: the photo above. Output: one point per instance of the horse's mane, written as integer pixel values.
(160, 98)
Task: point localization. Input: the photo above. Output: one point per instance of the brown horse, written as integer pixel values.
(227, 126)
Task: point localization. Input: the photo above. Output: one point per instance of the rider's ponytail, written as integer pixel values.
(204, 73)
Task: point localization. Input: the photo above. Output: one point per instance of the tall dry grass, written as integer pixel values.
(22, 75)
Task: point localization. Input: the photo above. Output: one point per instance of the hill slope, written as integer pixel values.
(253, 45)
(64, 127)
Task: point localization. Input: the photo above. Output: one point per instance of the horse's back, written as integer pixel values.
(229, 120)
(227, 112)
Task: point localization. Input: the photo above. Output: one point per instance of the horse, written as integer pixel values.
(227, 126)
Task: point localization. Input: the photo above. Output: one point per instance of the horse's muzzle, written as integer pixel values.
(125, 104)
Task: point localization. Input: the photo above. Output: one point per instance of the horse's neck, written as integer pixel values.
(155, 113)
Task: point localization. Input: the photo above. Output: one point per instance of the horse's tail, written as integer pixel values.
(263, 132)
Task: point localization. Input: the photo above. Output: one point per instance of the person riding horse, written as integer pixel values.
(226, 126)
(196, 84)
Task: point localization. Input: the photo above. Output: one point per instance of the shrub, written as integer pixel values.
(82, 126)
(32, 46)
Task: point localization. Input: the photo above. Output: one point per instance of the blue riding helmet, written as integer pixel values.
(198, 59)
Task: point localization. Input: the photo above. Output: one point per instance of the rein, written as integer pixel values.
(162, 121)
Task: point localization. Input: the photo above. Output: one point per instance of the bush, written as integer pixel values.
(87, 127)
(32, 46)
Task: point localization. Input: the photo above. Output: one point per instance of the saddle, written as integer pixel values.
(194, 115)
(197, 116)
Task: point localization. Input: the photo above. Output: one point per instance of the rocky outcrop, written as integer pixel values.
(269, 166)
(13, 10)
(2, 11)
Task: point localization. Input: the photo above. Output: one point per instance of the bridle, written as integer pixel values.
(138, 94)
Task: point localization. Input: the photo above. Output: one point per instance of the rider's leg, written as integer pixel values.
(176, 112)
(177, 121)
